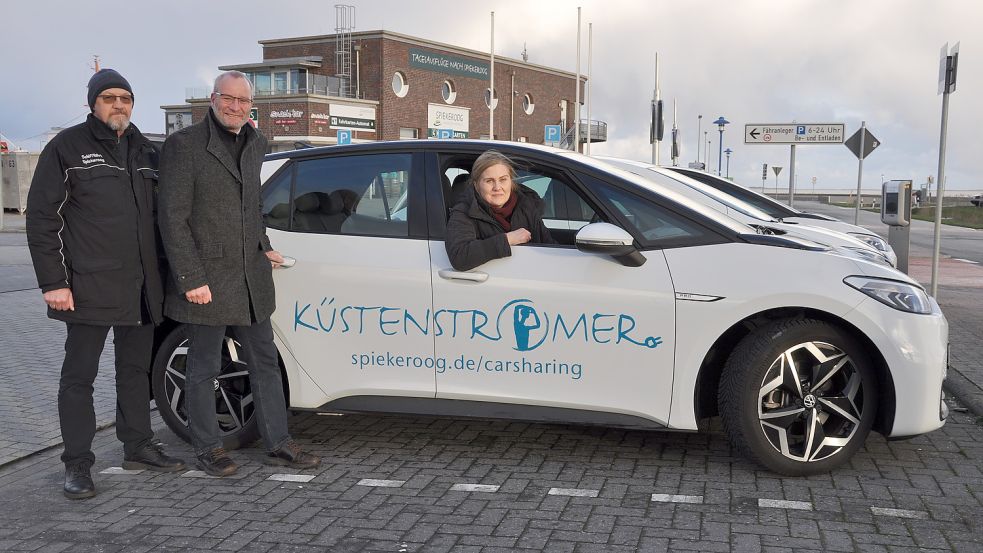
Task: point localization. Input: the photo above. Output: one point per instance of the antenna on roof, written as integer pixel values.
(525, 53)
(95, 63)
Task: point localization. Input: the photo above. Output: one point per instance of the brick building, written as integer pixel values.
(380, 85)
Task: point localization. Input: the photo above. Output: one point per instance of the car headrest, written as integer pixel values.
(307, 202)
(460, 187)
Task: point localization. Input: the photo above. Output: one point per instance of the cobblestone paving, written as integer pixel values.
(31, 352)
(925, 494)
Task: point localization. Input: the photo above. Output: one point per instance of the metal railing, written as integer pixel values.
(321, 85)
(598, 133)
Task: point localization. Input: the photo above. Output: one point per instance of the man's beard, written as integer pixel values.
(231, 123)
(118, 122)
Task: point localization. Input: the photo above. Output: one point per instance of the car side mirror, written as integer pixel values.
(610, 240)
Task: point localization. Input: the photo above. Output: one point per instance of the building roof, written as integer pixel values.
(301, 61)
(416, 41)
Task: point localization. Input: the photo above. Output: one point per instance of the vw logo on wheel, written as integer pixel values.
(809, 401)
(215, 384)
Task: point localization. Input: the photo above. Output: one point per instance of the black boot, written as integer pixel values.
(78, 481)
(152, 457)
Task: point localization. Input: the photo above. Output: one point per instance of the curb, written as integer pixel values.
(963, 389)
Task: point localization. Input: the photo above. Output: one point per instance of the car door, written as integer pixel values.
(555, 327)
(355, 308)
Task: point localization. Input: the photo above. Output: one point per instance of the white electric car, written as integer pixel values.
(653, 311)
(788, 214)
(825, 232)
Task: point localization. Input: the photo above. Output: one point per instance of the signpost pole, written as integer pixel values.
(791, 178)
(860, 172)
(576, 103)
(947, 84)
(491, 82)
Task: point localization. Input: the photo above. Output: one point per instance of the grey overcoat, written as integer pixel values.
(212, 227)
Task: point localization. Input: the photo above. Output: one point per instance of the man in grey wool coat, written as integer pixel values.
(221, 265)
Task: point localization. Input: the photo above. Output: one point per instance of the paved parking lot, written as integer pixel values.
(402, 484)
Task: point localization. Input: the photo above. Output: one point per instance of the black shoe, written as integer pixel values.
(290, 455)
(152, 457)
(217, 463)
(78, 481)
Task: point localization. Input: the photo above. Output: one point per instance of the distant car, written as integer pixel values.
(651, 311)
(787, 213)
(977, 200)
(751, 215)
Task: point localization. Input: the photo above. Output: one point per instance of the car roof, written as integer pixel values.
(566, 157)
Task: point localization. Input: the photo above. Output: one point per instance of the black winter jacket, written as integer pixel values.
(475, 237)
(90, 225)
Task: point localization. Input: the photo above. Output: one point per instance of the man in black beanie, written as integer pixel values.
(93, 240)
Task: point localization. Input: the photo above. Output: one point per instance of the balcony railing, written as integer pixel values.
(321, 85)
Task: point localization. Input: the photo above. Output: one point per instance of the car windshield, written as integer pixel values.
(667, 193)
(690, 187)
(764, 203)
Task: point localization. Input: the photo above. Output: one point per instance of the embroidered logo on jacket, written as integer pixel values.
(88, 159)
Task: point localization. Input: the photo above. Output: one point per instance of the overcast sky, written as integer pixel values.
(751, 61)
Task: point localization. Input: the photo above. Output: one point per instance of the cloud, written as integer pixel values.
(748, 60)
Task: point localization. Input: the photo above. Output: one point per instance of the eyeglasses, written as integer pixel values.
(111, 99)
(230, 99)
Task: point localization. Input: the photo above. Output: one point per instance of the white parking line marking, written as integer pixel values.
(120, 470)
(782, 504)
(898, 512)
(474, 488)
(292, 477)
(966, 260)
(197, 474)
(380, 483)
(672, 498)
(573, 492)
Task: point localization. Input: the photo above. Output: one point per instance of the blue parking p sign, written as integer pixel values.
(445, 133)
(551, 133)
(800, 129)
(344, 136)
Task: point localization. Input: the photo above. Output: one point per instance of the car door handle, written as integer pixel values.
(288, 262)
(461, 275)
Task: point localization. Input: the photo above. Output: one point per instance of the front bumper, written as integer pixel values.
(915, 349)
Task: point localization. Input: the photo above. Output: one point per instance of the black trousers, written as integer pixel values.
(83, 346)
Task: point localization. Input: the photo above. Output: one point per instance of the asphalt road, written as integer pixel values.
(958, 242)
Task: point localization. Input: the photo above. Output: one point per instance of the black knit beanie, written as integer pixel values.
(103, 79)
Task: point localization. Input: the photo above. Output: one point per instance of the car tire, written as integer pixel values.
(234, 407)
(799, 396)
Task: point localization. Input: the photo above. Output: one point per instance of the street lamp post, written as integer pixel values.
(720, 122)
(728, 151)
(706, 151)
(699, 128)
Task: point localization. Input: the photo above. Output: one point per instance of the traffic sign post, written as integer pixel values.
(777, 169)
(764, 176)
(947, 84)
(861, 143)
(793, 134)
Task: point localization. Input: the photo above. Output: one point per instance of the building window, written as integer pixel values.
(523, 139)
(491, 103)
(408, 134)
(400, 86)
(528, 105)
(448, 92)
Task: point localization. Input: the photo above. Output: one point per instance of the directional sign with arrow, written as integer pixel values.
(870, 143)
(794, 133)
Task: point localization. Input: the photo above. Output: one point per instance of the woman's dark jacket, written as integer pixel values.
(475, 237)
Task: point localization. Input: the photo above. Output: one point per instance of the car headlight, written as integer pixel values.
(892, 293)
(872, 239)
(867, 255)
